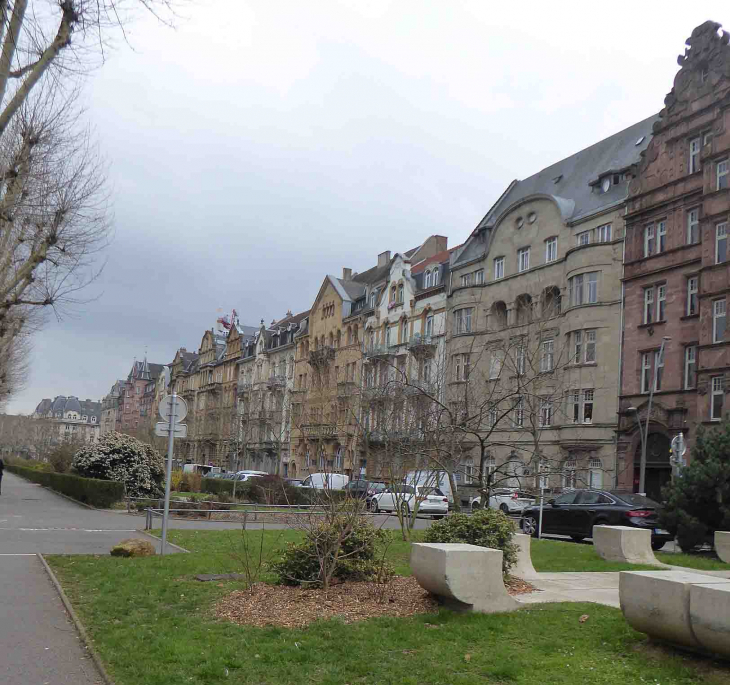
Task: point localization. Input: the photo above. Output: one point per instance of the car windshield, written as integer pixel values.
(637, 500)
(378, 487)
(425, 491)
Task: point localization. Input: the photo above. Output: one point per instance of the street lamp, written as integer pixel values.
(645, 433)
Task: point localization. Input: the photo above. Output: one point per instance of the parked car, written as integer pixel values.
(430, 500)
(294, 482)
(434, 479)
(376, 487)
(575, 513)
(322, 481)
(360, 488)
(245, 475)
(508, 500)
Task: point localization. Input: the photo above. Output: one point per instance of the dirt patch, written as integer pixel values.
(517, 586)
(292, 607)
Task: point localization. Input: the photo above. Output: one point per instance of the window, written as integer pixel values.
(706, 137)
(583, 289)
(583, 238)
(520, 359)
(387, 336)
(721, 243)
(694, 155)
(519, 413)
(718, 320)
(427, 280)
(588, 406)
(373, 298)
(523, 259)
(569, 477)
(718, 398)
(462, 367)
(693, 226)
(692, 288)
(649, 305)
(492, 417)
(429, 326)
(661, 236)
(495, 364)
(546, 413)
(551, 249)
(462, 320)
(577, 347)
(646, 370)
(722, 171)
(436, 276)
(498, 268)
(466, 280)
(592, 287)
(479, 277)
(649, 240)
(595, 475)
(603, 233)
(400, 293)
(547, 359)
(661, 303)
(690, 367)
(659, 370)
(590, 347)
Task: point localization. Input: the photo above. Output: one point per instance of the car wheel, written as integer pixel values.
(374, 506)
(476, 505)
(656, 545)
(504, 508)
(530, 526)
(577, 538)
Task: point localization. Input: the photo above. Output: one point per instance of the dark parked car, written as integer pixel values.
(575, 513)
(361, 488)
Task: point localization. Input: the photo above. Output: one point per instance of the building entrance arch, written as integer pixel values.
(658, 466)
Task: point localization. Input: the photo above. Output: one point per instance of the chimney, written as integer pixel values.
(288, 313)
(384, 258)
(346, 274)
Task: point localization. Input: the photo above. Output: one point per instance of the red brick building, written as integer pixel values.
(676, 275)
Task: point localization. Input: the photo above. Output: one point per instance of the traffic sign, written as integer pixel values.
(162, 428)
(181, 408)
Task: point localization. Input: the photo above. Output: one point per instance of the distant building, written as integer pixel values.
(110, 408)
(134, 410)
(77, 420)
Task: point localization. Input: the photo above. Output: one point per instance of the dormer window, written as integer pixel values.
(606, 184)
(427, 279)
(435, 276)
(373, 297)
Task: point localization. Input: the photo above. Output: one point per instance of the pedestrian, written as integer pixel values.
(2, 467)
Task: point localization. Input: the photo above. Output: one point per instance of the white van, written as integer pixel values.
(203, 469)
(433, 479)
(322, 481)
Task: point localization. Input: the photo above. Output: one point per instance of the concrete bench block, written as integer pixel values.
(722, 545)
(523, 568)
(463, 577)
(709, 610)
(624, 544)
(658, 603)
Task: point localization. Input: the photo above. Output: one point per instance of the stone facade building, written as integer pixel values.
(534, 306)
(110, 406)
(73, 419)
(133, 412)
(677, 279)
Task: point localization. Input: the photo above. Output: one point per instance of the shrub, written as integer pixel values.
(358, 557)
(486, 528)
(123, 458)
(190, 482)
(175, 480)
(272, 490)
(62, 457)
(218, 486)
(97, 493)
(697, 503)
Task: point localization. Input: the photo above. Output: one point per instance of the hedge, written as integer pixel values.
(97, 493)
(216, 486)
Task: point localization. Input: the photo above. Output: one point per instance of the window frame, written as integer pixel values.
(463, 320)
(690, 367)
(547, 356)
(583, 238)
(649, 240)
(646, 358)
(661, 237)
(721, 238)
(546, 412)
(661, 302)
(719, 312)
(551, 249)
(722, 176)
(604, 233)
(694, 155)
(594, 343)
(523, 259)
(498, 268)
(479, 277)
(577, 347)
(717, 389)
(693, 226)
(692, 306)
(649, 304)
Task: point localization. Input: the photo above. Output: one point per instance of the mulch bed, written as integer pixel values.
(293, 607)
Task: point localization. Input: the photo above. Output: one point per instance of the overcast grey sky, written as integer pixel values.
(261, 145)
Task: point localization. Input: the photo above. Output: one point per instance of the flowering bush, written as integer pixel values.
(123, 458)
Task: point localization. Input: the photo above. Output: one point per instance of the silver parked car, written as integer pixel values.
(507, 500)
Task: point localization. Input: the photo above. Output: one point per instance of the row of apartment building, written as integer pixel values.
(531, 348)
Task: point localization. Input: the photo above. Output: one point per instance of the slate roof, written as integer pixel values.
(62, 404)
(569, 180)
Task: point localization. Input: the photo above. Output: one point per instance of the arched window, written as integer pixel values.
(427, 279)
(436, 276)
(349, 335)
(498, 316)
(569, 474)
(523, 305)
(392, 294)
(400, 294)
(373, 299)
(550, 301)
(404, 330)
(595, 474)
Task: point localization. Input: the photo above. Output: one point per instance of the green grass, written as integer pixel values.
(558, 556)
(701, 561)
(152, 625)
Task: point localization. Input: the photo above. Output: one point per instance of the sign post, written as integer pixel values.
(173, 409)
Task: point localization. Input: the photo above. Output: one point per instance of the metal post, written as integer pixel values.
(170, 439)
(542, 501)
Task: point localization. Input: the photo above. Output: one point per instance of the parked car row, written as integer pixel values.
(508, 500)
(408, 498)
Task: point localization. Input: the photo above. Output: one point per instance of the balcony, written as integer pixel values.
(346, 387)
(243, 386)
(379, 352)
(320, 430)
(276, 382)
(420, 387)
(322, 356)
(422, 346)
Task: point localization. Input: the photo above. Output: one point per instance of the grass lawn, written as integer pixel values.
(152, 625)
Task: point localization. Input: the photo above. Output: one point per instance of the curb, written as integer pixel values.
(77, 622)
(170, 544)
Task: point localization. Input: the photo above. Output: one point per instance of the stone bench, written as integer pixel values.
(722, 545)
(624, 544)
(523, 568)
(686, 609)
(463, 577)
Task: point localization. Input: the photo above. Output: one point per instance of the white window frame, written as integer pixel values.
(519, 412)
(427, 279)
(658, 370)
(577, 347)
(693, 226)
(520, 359)
(466, 280)
(648, 305)
(496, 362)
(661, 303)
(717, 389)
(645, 372)
(546, 412)
(583, 238)
(690, 367)
(719, 320)
(722, 173)
(429, 326)
(576, 290)
(720, 237)
(551, 249)
(661, 236)
(523, 259)
(595, 474)
(463, 320)
(604, 233)
(570, 474)
(588, 397)
(693, 286)
(498, 268)
(694, 155)
(479, 277)
(592, 286)
(547, 358)
(591, 344)
(649, 240)
(435, 273)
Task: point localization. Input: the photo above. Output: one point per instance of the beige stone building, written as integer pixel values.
(72, 420)
(535, 307)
